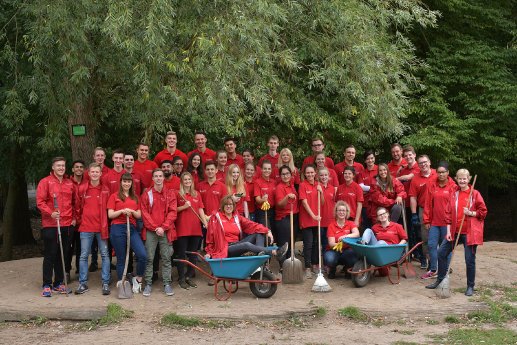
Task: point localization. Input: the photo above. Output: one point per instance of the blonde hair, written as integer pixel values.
(291, 160)
(239, 184)
(463, 172)
(192, 190)
(341, 203)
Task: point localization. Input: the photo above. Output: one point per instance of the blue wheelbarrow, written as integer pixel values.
(231, 271)
(372, 258)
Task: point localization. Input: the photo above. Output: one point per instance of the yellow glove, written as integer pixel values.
(338, 247)
(265, 206)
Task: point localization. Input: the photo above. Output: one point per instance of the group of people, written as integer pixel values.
(230, 204)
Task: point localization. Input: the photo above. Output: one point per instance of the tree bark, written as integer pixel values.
(82, 146)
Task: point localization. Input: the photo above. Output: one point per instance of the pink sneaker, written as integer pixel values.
(429, 275)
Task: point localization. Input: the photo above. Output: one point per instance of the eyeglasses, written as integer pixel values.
(423, 163)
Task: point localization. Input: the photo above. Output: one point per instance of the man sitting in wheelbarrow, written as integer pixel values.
(384, 232)
(230, 234)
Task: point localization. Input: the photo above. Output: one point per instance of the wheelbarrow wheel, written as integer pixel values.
(263, 290)
(360, 279)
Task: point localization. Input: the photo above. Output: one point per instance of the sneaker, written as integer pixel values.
(332, 273)
(280, 253)
(183, 284)
(47, 292)
(315, 269)
(470, 291)
(168, 290)
(93, 267)
(429, 275)
(105, 289)
(147, 290)
(362, 242)
(211, 282)
(434, 285)
(308, 273)
(81, 289)
(61, 288)
(191, 283)
(137, 286)
(423, 264)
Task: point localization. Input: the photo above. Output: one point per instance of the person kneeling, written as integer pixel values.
(224, 236)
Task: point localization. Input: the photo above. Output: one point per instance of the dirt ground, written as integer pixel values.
(404, 312)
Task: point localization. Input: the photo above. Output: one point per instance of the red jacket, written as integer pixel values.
(145, 169)
(216, 245)
(166, 155)
(82, 193)
(437, 209)
(418, 187)
(473, 225)
(65, 194)
(351, 194)
(340, 168)
(159, 211)
(381, 198)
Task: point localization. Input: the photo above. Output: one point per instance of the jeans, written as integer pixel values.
(310, 246)
(424, 234)
(118, 237)
(436, 237)
(333, 258)
(86, 243)
(470, 259)
(251, 216)
(151, 243)
(252, 243)
(370, 239)
(186, 244)
(414, 236)
(52, 265)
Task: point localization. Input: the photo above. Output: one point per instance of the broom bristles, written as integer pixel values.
(320, 285)
(443, 289)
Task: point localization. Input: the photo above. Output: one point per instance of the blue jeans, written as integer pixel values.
(370, 239)
(251, 243)
(470, 259)
(118, 237)
(436, 237)
(86, 243)
(346, 258)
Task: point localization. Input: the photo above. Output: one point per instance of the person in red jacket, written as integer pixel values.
(232, 156)
(472, 212)
(341, 227)
(437, 214)
(201, 149)
(417, 193)
(124, 204)
(195, 167)
(286, 158)
(387, 192)
(92, 201)
(224, 236)
(129, 166)
(272, 154)
(170, 181)
(286, 198)
(384, 232)
(366, 179)
(171, 151)
(144, 166)
(55, 198)
(320, 164)
(112, 178)
(237, 189)
(349, 156)
(309, 217)
(158, 206)
(188, 227)
(78, 178)
(351, 193)
(221, 158)
(397, 162)
(264, 190)
(327, 208)
(211, 190)
(317, 146)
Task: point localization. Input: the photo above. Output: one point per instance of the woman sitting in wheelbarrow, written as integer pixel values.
(230, 234)
(384, 232)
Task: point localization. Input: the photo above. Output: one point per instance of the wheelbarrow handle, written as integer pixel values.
(197, 254)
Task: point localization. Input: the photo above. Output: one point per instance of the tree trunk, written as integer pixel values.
(16, 220)
(513, 208)
(82, 146)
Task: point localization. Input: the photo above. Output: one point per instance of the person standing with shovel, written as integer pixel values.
(55, 190)
(468, 216)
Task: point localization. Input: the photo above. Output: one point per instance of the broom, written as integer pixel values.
(443, 289)
(292, 270)
(320, 285)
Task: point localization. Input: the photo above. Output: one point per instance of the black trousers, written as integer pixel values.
(52, 267)
(186, 244)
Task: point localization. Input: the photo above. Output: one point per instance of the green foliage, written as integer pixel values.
(353, 313)
(174, 320)
(481, 336)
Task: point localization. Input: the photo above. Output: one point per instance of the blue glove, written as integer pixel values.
(415, 220)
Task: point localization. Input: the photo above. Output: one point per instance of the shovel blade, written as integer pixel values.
(124, 290)
(409, 270)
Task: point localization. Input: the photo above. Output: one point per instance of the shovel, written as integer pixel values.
(408, 268)
(124, 287)
(292, 270)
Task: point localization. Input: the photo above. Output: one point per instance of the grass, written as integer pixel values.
(465, 336)
(432, 321)
(406, 331)
(353, 313)
(174, 320)
(452, 319)
(114, 315)
(401, 342)
(35, 321)
(320, 312)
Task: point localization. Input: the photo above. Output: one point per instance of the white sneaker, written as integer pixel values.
(137, 286)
